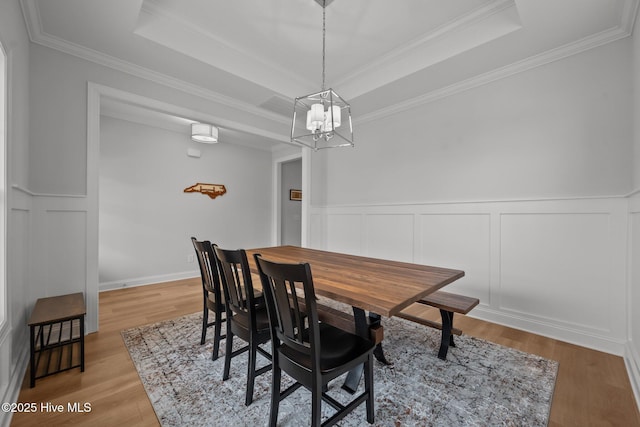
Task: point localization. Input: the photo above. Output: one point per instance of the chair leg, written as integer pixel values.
(217, 330)
(368, 384)
(316, 406)
(275, 393)
(228, 350)
(205, 321)
(251, 371)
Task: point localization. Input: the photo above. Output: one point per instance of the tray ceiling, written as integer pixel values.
(258, 54)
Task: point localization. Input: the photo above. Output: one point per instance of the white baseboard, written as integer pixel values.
(149, 280)
(551, 330)
(632, 362)
(12, 392)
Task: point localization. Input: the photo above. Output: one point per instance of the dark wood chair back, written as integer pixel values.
(212, 292)
(208, 268)
(311, 352)
(246, 313)
(292, 308)
(236, 279)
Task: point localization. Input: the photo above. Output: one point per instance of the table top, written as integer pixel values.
(57, 309)
(381, 286)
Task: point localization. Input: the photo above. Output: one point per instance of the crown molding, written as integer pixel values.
(97, 90)
(287, 82)
(467, 20)
(627, 22)
(604, 37)
(38, 36)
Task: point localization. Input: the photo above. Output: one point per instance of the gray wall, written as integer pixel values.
(563, 129)
(523, 182)
(143, 172)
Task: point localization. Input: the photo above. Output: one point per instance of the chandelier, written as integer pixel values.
(322, 119)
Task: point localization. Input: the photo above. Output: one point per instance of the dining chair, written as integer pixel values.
(247, 316)
(213, 299)
(311, 352)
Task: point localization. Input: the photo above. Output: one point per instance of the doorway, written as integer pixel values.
(291, 203)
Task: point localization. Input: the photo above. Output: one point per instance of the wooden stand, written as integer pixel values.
(55, 318)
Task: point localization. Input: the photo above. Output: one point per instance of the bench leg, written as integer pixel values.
(447, 337)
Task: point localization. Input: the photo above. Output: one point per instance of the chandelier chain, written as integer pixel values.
(324, 31)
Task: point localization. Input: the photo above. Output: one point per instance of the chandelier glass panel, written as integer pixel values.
(322, 119)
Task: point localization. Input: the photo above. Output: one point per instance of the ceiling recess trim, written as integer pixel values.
(625, 29)
(38, 36)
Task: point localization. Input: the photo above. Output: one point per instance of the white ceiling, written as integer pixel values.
(380, 54)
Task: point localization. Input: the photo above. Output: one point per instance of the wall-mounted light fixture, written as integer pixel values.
(203, 132)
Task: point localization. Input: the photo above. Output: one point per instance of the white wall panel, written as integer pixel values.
(65, 249)
(632, 353)
(316, 229)
(389, 236)
(20, 307)
(553, 267)
(6, 362)
(557, 267)
(462, 242)
(634, 300)
(344, 234)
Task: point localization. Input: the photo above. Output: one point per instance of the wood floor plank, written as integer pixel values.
(592, 388)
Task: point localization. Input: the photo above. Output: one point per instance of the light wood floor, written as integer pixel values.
(592, 388)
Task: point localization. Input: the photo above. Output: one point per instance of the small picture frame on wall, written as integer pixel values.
(295, 194)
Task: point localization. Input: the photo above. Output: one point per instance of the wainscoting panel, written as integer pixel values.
(66, 264)
(14, 336)
(344, 234)
(60, 240)
(389, 236)
(18, 274)
(316, 228)
(553, 267)
(632, 354)
(462, 242)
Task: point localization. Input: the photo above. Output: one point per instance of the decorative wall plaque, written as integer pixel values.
(211, 190)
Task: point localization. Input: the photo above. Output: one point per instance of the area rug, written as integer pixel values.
(480, 383)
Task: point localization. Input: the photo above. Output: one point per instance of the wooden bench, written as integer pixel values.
(448, 304)
(53, 335)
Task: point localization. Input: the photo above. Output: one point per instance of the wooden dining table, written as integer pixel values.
(381, 287)
(377, 285)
